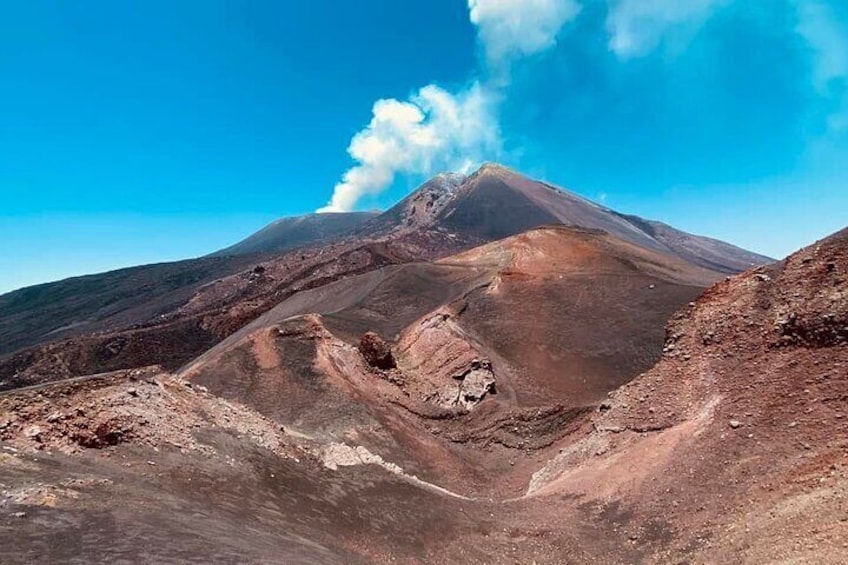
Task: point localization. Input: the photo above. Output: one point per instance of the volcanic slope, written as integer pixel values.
(106, 301)
(137, 467)
(534, 328)
(148, 294)
(734, 448)
(299, 231)
(731, 449)
(496, 202)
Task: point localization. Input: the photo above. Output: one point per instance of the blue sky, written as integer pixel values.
(141, 132)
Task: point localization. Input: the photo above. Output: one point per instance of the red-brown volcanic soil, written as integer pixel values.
(184, 476)
(575, 313)
(499, 352)
(498, 433)
(734, 448)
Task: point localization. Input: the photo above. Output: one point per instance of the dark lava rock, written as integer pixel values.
(376, 352)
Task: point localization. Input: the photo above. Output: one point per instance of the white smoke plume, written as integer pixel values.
(436, 130)
(433, 131)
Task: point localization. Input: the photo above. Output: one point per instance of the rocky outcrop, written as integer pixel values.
(474, 385)
(444, 364)
(143, 408)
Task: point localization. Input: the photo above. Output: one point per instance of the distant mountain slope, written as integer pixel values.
(127, 297)
(496, 202)
(290, 233)
(418, 209)
(704, 251)
(104, 301)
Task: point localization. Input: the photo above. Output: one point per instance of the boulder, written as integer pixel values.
(376, 352)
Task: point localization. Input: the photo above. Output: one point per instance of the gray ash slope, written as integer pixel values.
(290, 233)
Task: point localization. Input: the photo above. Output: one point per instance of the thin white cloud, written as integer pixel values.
(828, 41)
(636, 27)
(510, 29)
(433, 131)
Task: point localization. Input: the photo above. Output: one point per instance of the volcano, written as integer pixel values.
(494, 370)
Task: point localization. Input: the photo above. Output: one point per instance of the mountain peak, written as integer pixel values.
(492, 168)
